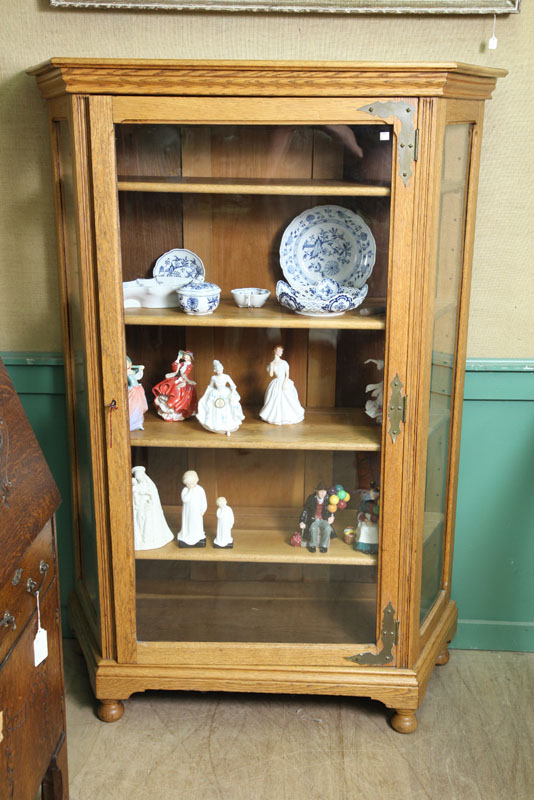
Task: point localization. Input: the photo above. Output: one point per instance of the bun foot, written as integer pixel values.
(443, 657)
(404, 721)
(110, 710)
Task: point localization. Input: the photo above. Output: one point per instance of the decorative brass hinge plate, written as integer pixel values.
(389, 636)
(396, 408)
(408, 135)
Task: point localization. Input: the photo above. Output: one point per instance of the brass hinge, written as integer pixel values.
(416, 145)
(389, 636)
(397, 624)
(404, 112)
(396, 408)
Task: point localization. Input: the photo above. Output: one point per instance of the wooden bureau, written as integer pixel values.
(33, 749)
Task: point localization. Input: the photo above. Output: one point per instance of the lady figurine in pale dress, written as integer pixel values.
(281, 404)
(194, 506)
(150, 526)
(219, 409)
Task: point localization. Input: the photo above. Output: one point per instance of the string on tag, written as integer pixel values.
(38, 611)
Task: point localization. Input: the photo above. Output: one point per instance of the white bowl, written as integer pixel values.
(199, 298)
(250, 297)
(151, 293)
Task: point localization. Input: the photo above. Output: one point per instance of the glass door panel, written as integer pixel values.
(448, 274)
(228, 193)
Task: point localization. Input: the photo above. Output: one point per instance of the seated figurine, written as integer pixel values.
(366, 538)
(316, 521)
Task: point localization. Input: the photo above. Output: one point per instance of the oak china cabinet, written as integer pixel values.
(219, 157)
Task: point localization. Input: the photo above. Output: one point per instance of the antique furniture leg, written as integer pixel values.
(110, 710)
(443, 657)
(55, 784)
(404, 720)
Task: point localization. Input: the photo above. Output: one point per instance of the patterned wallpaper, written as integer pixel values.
(503, 285)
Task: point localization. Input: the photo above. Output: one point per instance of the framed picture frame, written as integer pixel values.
(310, 6)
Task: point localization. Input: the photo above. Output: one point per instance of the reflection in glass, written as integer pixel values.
(448, 273)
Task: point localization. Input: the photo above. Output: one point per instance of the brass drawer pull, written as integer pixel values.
(8, 619)
(31, 585)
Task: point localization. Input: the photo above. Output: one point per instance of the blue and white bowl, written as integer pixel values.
(327, 301)
(199, 297)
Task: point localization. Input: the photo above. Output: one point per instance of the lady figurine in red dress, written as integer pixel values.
(176, 396)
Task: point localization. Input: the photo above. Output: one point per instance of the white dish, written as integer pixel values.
(250, 297)
(327, 242)
(151, 293)
(182, 265)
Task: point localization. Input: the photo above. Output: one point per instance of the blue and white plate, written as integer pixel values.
(327, 243)
(183, 265)
(309, 303)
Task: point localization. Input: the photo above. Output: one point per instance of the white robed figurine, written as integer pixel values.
(219, 409)
(225, 521)
(150, 526)
(281, 405)
(194, 505)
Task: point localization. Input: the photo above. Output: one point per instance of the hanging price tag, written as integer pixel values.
(40, 643)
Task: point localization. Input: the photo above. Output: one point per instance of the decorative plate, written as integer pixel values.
(180, 264)
(310, 304)
(327, 243)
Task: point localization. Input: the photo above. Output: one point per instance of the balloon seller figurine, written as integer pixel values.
(225, 521)
(316, 520)
(176, 396)
(150, 526)
(137, 404)
(281, 404)
(366, 539)
(194, 505)
(219, 409)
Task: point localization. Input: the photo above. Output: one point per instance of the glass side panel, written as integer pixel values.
(448, 273)
(85, 501)
(228, 194)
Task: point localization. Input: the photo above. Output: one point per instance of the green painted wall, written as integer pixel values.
(494, 548)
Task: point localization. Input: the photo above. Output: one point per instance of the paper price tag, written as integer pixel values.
(40, 643)
(40, 646)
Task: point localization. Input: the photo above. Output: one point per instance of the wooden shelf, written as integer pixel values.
(322, 429)
(272, 315)
(249, 186)
(261, 546)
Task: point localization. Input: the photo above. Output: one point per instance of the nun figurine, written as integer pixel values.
(219, 409)
(150, 526)
(225, 521)
(194, 505)
(281, 405)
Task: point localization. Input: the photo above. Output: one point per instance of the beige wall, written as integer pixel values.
(503, 288)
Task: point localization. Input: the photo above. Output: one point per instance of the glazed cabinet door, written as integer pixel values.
(449, 277)
(247, 193)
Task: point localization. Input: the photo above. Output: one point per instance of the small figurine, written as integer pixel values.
(225, 521)
(194, 505)
(366, 538)
(137, 404)
(219, 409)
(150, 526)
(374, 406)
(281, 404)
(176, 396)
(316, 521)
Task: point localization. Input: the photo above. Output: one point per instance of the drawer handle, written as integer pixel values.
(31, 585)
(8, 619)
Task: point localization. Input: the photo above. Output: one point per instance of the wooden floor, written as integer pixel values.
(474, 742)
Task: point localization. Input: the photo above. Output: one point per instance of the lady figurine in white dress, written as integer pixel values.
(281, 404)
(219, 409)
(150, 526)
(225, 521)
(194, 505)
